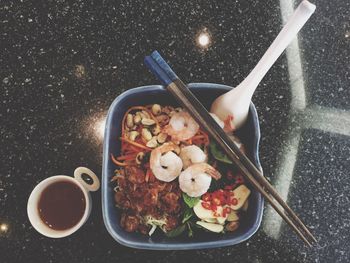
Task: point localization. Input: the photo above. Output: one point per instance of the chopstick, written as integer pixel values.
(186, 98)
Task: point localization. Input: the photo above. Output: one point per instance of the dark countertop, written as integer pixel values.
(62, 65)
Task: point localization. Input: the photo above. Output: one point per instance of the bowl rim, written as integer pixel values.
(176, 246)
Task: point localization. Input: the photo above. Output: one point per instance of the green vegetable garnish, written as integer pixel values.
(190, 231)
(190, 201)
(177, 231)
(187, 214)
(218, 154)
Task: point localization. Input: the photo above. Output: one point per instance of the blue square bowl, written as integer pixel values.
(250, 135)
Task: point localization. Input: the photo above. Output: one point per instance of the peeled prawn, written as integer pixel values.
(192, 154)
(168, 166)
(196, 179)
(181, 126)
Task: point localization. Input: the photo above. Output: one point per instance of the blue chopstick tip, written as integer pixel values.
(157, 71)
(155, 53)
(163, 65)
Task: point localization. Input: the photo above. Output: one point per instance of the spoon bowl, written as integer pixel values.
(232, 107)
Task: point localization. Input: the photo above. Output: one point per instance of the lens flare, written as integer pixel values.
(203, 39)
(4, 227)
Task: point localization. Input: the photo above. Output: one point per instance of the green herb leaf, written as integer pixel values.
(190, 201)
(218, 154)
(190, 231)
(195, 226)
(187, 214)
(177, 231)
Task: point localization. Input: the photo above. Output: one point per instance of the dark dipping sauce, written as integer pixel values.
(61, 205)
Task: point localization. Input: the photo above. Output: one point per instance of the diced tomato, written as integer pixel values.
(222, 200)
(206, 197)
(239, 179)
(206, 205)
(227, 210)
(234, 201)
(216, 201)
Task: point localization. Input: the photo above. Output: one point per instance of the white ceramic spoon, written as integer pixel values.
(232, 107)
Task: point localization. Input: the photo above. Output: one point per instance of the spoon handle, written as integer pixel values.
(284, 38)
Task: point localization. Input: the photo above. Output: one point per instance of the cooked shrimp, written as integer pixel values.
(192, 154)
(196, 179)
(168, 166)
(181, 126)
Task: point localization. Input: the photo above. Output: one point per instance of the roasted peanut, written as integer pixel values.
(139, 157)
(156, 130)
(152, 143)
(133, 135)
(148, 122)
(161, 138)
(129, 120)
(146, 134)
(156, 109)
(137, 119)
(146, 114)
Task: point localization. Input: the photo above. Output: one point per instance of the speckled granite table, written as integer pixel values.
(63, 63)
